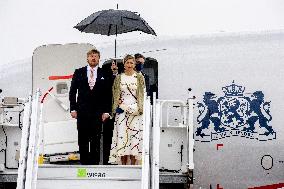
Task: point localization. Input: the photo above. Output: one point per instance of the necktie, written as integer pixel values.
(91, 80)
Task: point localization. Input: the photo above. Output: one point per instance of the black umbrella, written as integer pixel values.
(113, 22)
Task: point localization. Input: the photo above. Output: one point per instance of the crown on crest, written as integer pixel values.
(233, 90)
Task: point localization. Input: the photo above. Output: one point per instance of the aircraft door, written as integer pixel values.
(151, 70)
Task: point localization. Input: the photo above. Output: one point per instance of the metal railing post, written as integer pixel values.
(156, 143)
(146, 138)
(190, 142)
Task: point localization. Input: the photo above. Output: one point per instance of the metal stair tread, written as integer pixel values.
(89, 166)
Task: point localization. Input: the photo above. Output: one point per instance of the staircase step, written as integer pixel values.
(89, 172)
(88, 176)
(87, 184)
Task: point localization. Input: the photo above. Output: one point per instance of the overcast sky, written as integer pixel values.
(27, 24)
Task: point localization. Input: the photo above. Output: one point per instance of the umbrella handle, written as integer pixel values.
(115, 48)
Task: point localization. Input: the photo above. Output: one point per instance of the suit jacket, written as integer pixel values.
(98, 100)
(147, 83)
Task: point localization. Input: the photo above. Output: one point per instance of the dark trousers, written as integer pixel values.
(89, 129)
(107, 139)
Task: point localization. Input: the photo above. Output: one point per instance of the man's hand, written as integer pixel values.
(74, 114)
(114, 68)
(105, 116)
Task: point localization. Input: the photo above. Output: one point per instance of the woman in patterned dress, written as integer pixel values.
(128, 95)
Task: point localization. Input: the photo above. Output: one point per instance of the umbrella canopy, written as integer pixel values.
(113, 22)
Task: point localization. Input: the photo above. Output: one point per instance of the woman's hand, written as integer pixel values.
(74, 114)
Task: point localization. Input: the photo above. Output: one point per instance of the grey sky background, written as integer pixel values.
(27, 24)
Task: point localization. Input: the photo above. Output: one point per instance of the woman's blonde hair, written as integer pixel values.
(127, 57)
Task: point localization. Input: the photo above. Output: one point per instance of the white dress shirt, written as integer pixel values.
(89, 73)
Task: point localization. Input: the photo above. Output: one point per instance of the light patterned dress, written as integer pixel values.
(128, 126)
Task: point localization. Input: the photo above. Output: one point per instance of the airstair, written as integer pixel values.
(34, 173)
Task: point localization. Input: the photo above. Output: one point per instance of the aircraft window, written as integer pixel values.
(61, 88)
(267, 162)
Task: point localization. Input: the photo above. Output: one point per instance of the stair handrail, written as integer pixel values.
(38, 143)
(155, 174)
(24, 144)
(146, 143)
(32, 159)
(190, 139)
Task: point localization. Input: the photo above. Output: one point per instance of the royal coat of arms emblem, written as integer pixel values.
(234, 114)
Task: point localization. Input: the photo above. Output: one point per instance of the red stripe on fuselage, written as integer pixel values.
(272, 186)
(60, 77)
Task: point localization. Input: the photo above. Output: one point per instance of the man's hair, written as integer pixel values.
(138, 55)
(127, 57)
(93, 51)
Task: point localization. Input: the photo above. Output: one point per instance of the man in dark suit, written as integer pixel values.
(139, 61)
(90, 107)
